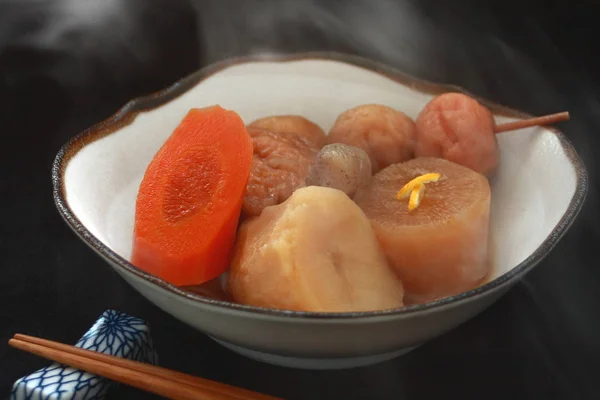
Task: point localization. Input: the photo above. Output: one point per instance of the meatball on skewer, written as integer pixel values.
(458, 128)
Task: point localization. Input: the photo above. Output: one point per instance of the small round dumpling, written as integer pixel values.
(310, 132)
(342, 167)
(457, 128)
(387, 135)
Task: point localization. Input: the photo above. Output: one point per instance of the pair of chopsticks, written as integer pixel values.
(161, 381)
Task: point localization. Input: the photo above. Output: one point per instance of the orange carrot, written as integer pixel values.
(190, 198)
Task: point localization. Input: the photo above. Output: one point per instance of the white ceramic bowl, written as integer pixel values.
(536, 194)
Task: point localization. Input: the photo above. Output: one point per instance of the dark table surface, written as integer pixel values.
(65, 65)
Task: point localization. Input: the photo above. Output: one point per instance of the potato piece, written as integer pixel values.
(457, 128)
(314, 252)
(342, 167)
(387, 135)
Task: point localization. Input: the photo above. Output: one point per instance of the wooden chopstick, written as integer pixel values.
(150, 383)
(161, 381)
(239, 393)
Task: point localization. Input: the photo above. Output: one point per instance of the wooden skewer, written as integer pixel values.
(161, 381)
(537, 121)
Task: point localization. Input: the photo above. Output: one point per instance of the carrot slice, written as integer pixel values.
(190, 198)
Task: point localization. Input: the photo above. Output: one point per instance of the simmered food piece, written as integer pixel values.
(342, 167)
(314, 252)
(310, 132)
(440, 246)
(456, 127)
(387, 135)
(212, 289)
(279, 166)
(190, 198)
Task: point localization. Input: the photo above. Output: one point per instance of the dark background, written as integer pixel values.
(65, 65)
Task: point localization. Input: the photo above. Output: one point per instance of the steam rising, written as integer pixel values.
(78, 40)
(392, 31)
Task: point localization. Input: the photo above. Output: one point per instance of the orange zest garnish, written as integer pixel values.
(415, 189)
(415, 196)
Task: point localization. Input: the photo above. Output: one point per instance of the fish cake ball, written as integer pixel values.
(387, 135)
(310, 132)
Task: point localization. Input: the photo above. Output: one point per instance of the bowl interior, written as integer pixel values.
(531, 191)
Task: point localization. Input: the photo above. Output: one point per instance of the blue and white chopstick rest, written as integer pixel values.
(114, 333)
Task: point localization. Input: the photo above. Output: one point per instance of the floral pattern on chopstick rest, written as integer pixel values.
(114, 333)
